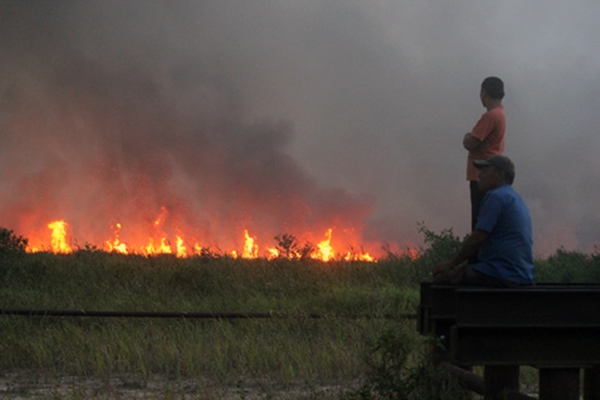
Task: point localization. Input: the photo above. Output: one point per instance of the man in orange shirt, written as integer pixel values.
(486, 139)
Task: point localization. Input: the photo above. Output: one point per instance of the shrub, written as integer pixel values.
(439, 247)
(288, 247)
(11, 243)
(402, 368)
(568, 267)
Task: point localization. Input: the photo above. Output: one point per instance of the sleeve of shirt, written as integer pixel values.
(489, 214)
(483, 127)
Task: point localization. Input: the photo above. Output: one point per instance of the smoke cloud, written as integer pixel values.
(291, 117)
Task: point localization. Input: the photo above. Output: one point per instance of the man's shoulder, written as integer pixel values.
(506, 196)
(496, 112)
(502, 192)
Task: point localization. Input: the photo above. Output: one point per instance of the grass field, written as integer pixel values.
(284, 351)
(290, 355)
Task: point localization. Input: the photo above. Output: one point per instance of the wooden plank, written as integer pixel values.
(442, 302)
(540, 306)
(499, 379)
(559, 383)
(591, 383)
(523, 346)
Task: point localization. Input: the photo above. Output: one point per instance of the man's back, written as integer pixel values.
(490, 129)
(508, 252)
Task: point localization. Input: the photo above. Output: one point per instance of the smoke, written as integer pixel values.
(291, 117)
(99, 143)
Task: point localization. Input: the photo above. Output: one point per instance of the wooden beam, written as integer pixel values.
(477, 384)
(559, 383)
(591, 383)
(522, 346)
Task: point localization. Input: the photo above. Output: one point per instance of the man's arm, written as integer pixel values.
(467, 249)
(472, 143)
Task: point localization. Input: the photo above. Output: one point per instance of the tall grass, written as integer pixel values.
(111, 281)
(276, 352)
(282, 351)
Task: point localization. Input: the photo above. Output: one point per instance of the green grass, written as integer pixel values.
(283, 351)
(277, 352)
(110, 281)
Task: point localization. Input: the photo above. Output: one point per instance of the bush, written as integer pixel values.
(400, 369)
(440, 247)
(568, 267)
(11, 243)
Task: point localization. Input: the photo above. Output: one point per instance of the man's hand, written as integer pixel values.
(442, 267)
(468, 248)
(472, 143)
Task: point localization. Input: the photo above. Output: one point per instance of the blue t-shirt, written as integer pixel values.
(507, 254)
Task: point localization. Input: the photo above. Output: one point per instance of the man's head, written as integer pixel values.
(495, 172)
(493, 87)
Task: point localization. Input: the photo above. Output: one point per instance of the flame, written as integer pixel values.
(351, 256)
(272, 253)
(250, 248)
(325, 252)
(159, 243)
(59, 234)
(116, 245)
(181, 249)
(162, 248)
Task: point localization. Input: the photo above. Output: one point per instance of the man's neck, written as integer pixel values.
(492, 104)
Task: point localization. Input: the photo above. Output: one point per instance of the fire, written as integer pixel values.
(116, 245)
(288, 246)
(272, 253)
(162, 248)
(250, 249)
(350, 256)
(59, 233)
(326, 252)
(181, 249)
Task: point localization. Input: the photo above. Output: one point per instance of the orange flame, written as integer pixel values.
(350, 256)
(324, 250)
(116, 245)
(250, 248)
(181, 249)
(272, 253)
(59, 234)
(162, 248)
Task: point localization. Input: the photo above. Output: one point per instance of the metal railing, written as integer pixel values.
(197, 315)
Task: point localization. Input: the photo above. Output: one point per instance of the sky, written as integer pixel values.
(275, 114)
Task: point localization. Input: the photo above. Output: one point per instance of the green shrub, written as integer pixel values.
(439, 247)
(402, 367)
(11, 243)
(568, 267)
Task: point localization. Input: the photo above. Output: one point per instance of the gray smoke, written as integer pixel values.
(286, 117)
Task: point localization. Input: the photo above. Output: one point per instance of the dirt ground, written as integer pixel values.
(23, 385)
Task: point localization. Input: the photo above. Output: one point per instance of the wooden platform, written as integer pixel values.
(554, 327)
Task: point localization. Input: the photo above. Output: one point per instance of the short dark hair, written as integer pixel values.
(494, 87)
(509, 176)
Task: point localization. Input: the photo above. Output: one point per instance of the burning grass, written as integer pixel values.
(278, 352)
(287, 246)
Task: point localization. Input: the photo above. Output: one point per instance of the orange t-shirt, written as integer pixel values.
(490, 130)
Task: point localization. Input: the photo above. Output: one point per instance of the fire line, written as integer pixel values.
(323, 250)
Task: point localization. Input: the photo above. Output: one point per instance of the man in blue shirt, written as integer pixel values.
(502, 238)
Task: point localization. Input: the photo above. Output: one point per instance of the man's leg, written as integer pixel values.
(476, 199)
(467, 276)
(454, 276)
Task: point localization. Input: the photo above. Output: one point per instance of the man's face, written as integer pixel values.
(483, 96)
(489, 178)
